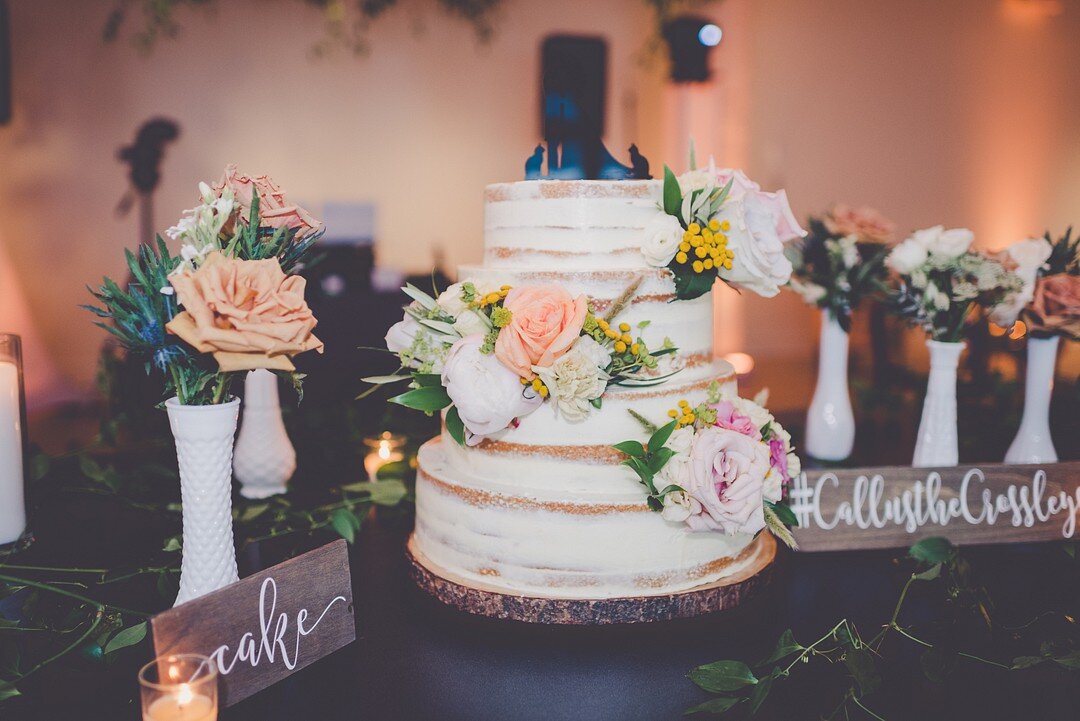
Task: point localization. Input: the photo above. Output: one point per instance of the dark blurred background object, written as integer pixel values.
(5, 64)
(689, 39)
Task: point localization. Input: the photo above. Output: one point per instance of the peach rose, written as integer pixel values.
(1056, 306)
(868, 225)
(248, 313)
(274, 210)
(545, 321)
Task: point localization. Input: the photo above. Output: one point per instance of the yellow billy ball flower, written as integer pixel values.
(727, 264)
(620, 347)
(673, 413)
(697, 266)
(537, 384)
(707, 235)
(611, 334)
(492, 298)
(680, 257)
(684, 247)
(687, 235)
(524, 381)
(543, 392)
(635, 348)
(624, 327)
(714, 225)
(693, 229)
(684, 404)
(707, 263)
(700, 252)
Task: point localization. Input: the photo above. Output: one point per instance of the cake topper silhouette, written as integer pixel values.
(575, 159)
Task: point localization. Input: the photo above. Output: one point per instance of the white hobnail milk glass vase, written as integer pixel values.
(1033, 443)
(830, 423)
(264, 459)
(936, 444)
(204, 445)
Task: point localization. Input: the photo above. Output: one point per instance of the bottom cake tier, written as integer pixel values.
(499, 536)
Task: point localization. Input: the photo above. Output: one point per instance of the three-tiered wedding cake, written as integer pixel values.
(544, 508)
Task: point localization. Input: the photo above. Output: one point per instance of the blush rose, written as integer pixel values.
(545, 321)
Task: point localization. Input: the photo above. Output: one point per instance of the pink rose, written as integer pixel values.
(488, 396)
(868, 225)
(1055, 308)
(727, 476)
(726, 417)
(274, 210)
(785, 224)
(545, 321)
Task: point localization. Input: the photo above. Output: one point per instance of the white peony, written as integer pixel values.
(662, 237)
(907, 256)
(470, 322)
(450, 301)
(573, 381)
(759, 263)
(1028, 256)
(488, 395)
(416, 346)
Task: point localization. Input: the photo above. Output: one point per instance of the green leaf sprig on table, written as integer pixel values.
(746, 687)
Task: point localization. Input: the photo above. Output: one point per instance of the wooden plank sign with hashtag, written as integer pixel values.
(892, 507)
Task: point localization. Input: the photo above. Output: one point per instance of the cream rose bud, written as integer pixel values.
(907, 256)
(662, 237)
(450, 301)
(727, 476)
(699, 179)
(679, 506)
(487, 394)
(401, 335)
(470, 322)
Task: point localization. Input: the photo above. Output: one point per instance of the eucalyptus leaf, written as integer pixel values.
(383, 380)
(420, 296)
(723, 676)
(127, 637)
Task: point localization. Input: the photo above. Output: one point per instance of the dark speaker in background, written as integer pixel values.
(5, 63)
(689, 39)
(573, 87)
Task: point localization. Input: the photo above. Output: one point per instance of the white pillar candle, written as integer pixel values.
(12, 483)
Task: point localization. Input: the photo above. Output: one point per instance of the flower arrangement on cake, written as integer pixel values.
(841, 260)
(229, 301)
(491, 354)
(724, 464)
(719, 223)
(1048, 299)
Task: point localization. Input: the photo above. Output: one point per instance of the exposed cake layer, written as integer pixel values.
(688, 323)
(569, 545)
(578, 224)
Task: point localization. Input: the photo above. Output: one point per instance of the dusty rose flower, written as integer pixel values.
(1055, 308)
(248, 313)
(727, 476)
(275, 211)
(728, 417)
(545, 321)
(867, 224)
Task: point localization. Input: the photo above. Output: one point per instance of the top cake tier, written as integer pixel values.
(572, 224)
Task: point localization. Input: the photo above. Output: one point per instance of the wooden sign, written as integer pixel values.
(268, 625)
(892, 507)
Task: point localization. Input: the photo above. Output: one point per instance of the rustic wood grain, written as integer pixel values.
(309, 581)
(464, 596)
(896, 480)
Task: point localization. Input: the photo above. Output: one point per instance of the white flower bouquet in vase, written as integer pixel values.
(835, 266)
(1048, 303)
(226, 304)
(942, 285)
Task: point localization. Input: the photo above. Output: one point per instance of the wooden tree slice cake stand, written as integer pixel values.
(487, 601)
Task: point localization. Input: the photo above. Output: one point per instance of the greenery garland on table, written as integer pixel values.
(741, 687)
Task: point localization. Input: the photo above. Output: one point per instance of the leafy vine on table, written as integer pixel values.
(744, 687)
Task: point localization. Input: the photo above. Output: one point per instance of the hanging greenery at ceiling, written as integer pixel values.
(347, 23)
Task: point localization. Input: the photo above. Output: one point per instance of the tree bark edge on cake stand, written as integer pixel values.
(725, 594)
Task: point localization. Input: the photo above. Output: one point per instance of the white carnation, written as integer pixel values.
(592, 350)
(662, 237)
(573, 381)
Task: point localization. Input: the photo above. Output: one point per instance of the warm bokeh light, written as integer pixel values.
(996, 330)
(1019, 330)
(743, 363)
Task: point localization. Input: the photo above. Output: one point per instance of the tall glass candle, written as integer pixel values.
(183, 687)
(14, 529)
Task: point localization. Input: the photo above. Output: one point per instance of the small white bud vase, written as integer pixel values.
(265, 458)
(937, 444)
(1033, 443)
(830, 424)
(204, 445)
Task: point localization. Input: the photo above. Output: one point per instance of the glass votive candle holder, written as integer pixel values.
(14, 486)
(183, 687)
(382, 449)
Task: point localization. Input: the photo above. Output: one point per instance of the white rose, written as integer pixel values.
(759, 416)
(470, 322)
(1029, 256)
(810, 292)
(676, 472)
(450, 301)
(572, 382)
(488, 395)
(727, 477)
(699, 179)
(662, 237)
(678, 506)
(401, 335)
(952, 243)
(759, 263)
(680, 440)
(907, 256)
(592, 350)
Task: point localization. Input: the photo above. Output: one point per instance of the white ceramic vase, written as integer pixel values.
(936, 444)
(830, 423)
(204, 447)
(265, 458)
(1033, 443)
